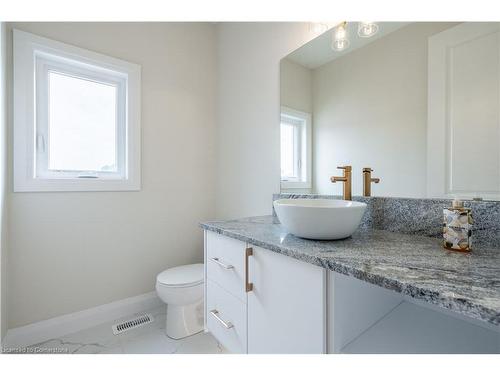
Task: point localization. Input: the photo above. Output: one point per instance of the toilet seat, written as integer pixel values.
(182, 276)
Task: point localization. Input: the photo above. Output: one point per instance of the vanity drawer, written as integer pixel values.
(226, 263)
(226, 318)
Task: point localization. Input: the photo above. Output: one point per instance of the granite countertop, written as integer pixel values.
(414, 265)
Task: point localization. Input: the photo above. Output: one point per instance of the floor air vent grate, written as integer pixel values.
(132, 323)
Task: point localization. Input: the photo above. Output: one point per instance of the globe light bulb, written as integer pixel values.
(340, 41)
(367, 29)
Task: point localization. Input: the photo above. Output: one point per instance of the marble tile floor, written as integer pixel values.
(148, 339)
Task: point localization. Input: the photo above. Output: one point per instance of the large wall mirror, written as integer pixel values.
(418, 103)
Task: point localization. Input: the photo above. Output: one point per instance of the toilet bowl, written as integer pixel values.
(181, 288)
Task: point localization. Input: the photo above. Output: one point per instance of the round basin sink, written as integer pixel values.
(319, 219)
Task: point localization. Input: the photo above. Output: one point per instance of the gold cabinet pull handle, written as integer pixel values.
(215, 314)
(222, 264)
(248, 253)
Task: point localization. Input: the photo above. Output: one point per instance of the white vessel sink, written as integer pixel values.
(319, 219)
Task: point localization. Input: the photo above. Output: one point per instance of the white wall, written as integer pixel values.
(3, 179)
(72, 251)
(248, 157)
(296, 86)
(370, 110)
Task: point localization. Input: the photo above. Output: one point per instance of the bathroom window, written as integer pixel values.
(76, 118)
(295, 131)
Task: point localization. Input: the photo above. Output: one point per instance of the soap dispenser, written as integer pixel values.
(457, 227)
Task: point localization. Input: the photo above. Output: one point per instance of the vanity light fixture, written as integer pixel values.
(367, 29)
(340, 40)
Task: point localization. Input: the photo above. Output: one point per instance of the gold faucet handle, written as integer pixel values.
(335, 179)
(369, 171)
(345, 167)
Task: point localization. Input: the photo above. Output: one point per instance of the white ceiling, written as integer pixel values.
(318, 51)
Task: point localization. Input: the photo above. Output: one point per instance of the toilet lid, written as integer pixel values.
(191, 274)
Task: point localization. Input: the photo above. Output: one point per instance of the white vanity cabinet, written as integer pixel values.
(225, 295)
(286, 307)
(258, 301)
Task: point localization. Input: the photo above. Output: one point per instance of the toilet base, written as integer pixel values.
(183, 321)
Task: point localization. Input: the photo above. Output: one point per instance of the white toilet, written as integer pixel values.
(181, 288)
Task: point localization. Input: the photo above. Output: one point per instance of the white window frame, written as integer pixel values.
(34, 57)
(305, 147)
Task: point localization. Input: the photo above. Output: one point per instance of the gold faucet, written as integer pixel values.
(347, 180)
(367, 181)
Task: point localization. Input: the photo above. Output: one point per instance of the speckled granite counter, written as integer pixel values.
(413, 265)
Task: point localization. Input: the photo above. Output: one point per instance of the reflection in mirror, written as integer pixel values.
(417, 104)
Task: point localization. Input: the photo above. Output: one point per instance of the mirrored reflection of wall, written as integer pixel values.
(296, 86)
(369, 109)
(296, 94)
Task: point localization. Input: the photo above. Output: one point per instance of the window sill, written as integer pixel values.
(296, 185)
(76, 185)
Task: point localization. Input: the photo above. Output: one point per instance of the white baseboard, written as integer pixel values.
(65, 324)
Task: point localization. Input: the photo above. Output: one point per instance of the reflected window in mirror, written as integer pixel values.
(295, 129)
